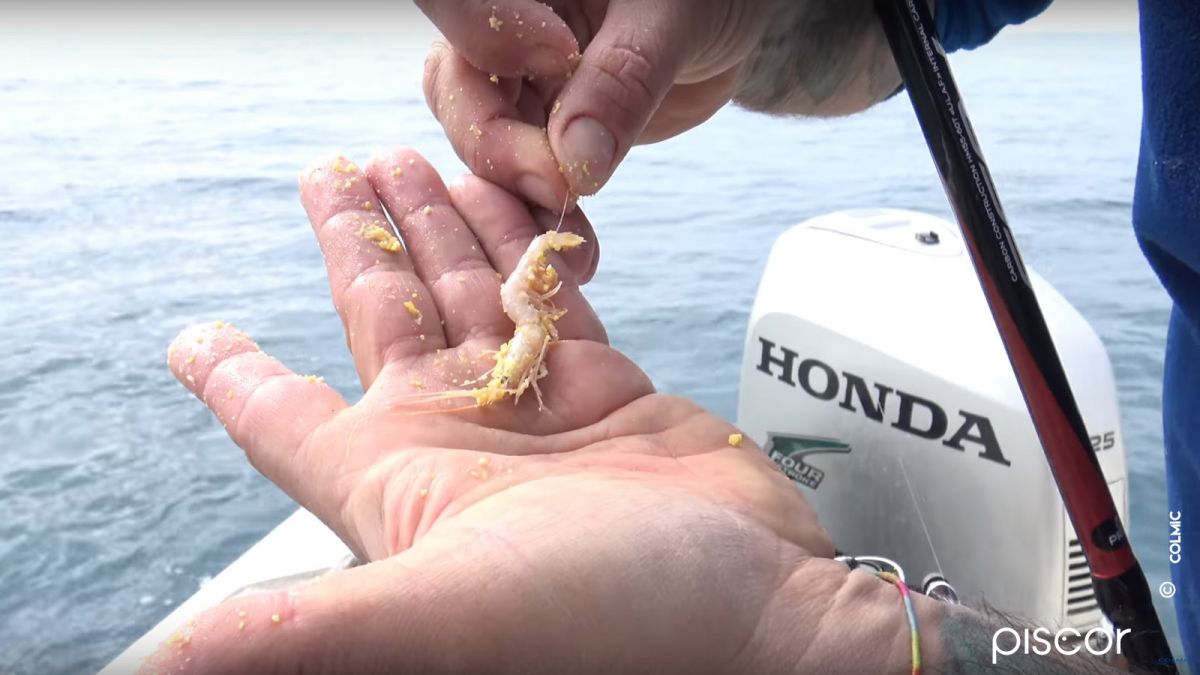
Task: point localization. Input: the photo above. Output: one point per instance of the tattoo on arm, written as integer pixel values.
(967, 644)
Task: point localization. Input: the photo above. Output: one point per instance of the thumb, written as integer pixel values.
(364, 619)
(622, 78)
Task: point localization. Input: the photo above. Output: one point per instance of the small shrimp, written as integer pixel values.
(526, 298)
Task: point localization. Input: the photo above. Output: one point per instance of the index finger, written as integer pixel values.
(488, 131)
(509, 38)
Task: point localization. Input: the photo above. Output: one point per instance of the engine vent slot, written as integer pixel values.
(1081, 597)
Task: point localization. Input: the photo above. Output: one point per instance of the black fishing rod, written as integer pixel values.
(1120, 586)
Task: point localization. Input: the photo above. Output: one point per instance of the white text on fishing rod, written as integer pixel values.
(1176, 536)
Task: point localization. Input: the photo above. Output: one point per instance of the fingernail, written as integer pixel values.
(537, 190)
(546, 62)
(589, 150)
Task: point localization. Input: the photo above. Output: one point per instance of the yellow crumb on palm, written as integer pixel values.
(428, 210)
(735, 440)
(229, 395)
(241, 625)
(315, 379)
(397, 171)
(494, 78)
(275, 618)
(413, 311)
(495, 22)
(417, 384)
(424, 492)
(381, 237)
(367, 205)
(475, 130)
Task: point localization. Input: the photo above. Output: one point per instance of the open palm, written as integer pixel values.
(615, 530)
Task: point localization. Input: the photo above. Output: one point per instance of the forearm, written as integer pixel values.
(819, 58)
(859, 625)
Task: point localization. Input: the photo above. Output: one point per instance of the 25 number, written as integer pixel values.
(1104, 442)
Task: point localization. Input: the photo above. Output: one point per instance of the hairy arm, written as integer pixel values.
(819, 58)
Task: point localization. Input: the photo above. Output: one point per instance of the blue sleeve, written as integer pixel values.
(1166, 218)
(967, 24)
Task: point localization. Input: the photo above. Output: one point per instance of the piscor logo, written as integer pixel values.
(822, 382)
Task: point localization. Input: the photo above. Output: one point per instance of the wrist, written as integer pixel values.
(825, 618)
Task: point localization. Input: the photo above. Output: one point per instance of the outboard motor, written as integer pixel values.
(875, 379)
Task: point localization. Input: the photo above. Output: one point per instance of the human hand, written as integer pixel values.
(518, 101)
(615, 531)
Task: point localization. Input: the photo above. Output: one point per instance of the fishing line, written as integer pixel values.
(913, 495)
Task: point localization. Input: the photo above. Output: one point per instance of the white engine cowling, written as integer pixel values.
(874, 376)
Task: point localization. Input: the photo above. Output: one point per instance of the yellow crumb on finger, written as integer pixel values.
(275, 618)
(475, 130)
(229, 395)
(735, 440)
(343, 165)
(381, 237)
(315, 379)
(494, 78)
(428, 210)
(413, 311)
(495, 22)
(397, 171)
